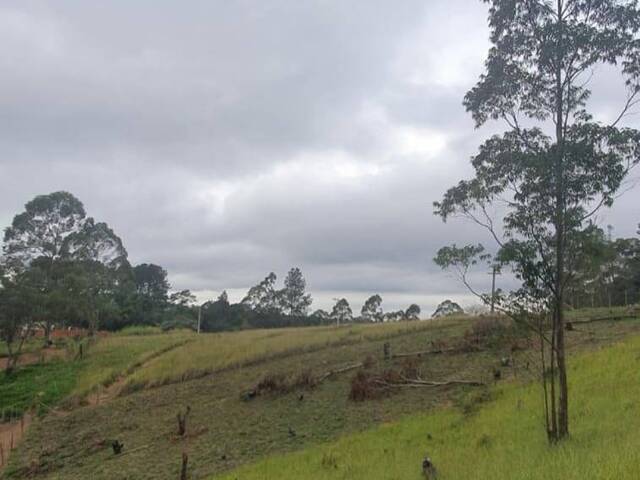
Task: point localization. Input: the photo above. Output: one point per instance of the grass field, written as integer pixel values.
(213, 352)
(503, 440)
(36, 386)
(120, 354)
(226, 433)
(44, 385)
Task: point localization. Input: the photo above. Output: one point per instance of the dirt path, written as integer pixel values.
(106, 394)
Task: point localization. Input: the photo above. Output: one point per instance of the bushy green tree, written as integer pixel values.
(294, 299)
(372, 309)
(341, 312)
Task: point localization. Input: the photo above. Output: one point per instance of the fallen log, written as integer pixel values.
(424, 383)
(337, 371)
(438, 351)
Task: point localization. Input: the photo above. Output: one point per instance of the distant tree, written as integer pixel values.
(413, 312)
(224, 297)
(97, 242)
(43, 229)
(341, 312)
(447, 308)
(263, 297)
(55, 232)
(293, 297)
(537, 75)
(321, 316)
(397, 316)
(152, 288)
(183, 298)
(151, 281)
(372, 309)
(96, 287)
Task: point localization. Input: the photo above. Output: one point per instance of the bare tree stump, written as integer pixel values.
(428, 469)
(117, 447)
(182, 421)
(185, 462)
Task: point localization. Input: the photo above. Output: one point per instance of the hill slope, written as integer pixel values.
(503, 440)
(224, 432)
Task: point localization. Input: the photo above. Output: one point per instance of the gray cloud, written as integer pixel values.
(228, 139)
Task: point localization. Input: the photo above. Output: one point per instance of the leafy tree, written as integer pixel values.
(20, 306)
(224, 297)
(549, 183)
(97, 284)
(447, 308)
(413, 312)
(341, 312)
(183, 298)
(54, 232)
(293, 297)
(151, 281)
(321, 317)
(43, 229)
(396, 316)
(97, 242)
(372, 309)
(152, 287)
(263, 297)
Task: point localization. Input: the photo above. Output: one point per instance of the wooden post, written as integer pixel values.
(387, 351)
(494, 271)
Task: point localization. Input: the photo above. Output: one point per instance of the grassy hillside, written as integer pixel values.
(43, 385)
(213, 352)
(224, 432)
(502, 440)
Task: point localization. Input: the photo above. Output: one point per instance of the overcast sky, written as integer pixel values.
(227, 139)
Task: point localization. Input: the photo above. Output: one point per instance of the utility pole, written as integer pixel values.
(199, 316)
(495, 270)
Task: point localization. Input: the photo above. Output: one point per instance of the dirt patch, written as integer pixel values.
(10, 435)
(41, 356)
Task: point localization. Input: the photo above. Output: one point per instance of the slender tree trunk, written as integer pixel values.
(560, 226)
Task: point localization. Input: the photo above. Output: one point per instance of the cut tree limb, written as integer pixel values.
(331, 373)
(424, 383)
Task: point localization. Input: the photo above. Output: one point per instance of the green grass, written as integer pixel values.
(504, 440)
(138, 330)
(44, 385)
(36, 386)
(213, 352)
(226, 433)
(600, 312)
(117, 355)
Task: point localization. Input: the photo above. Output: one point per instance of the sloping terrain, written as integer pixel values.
(225, 431)
(502, 440)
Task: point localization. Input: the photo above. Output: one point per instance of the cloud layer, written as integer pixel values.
(227, 139)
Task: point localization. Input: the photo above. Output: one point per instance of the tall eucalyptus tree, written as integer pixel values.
(555, 166)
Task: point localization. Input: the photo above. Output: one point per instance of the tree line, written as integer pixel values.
(266, 306)
(61, 268)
